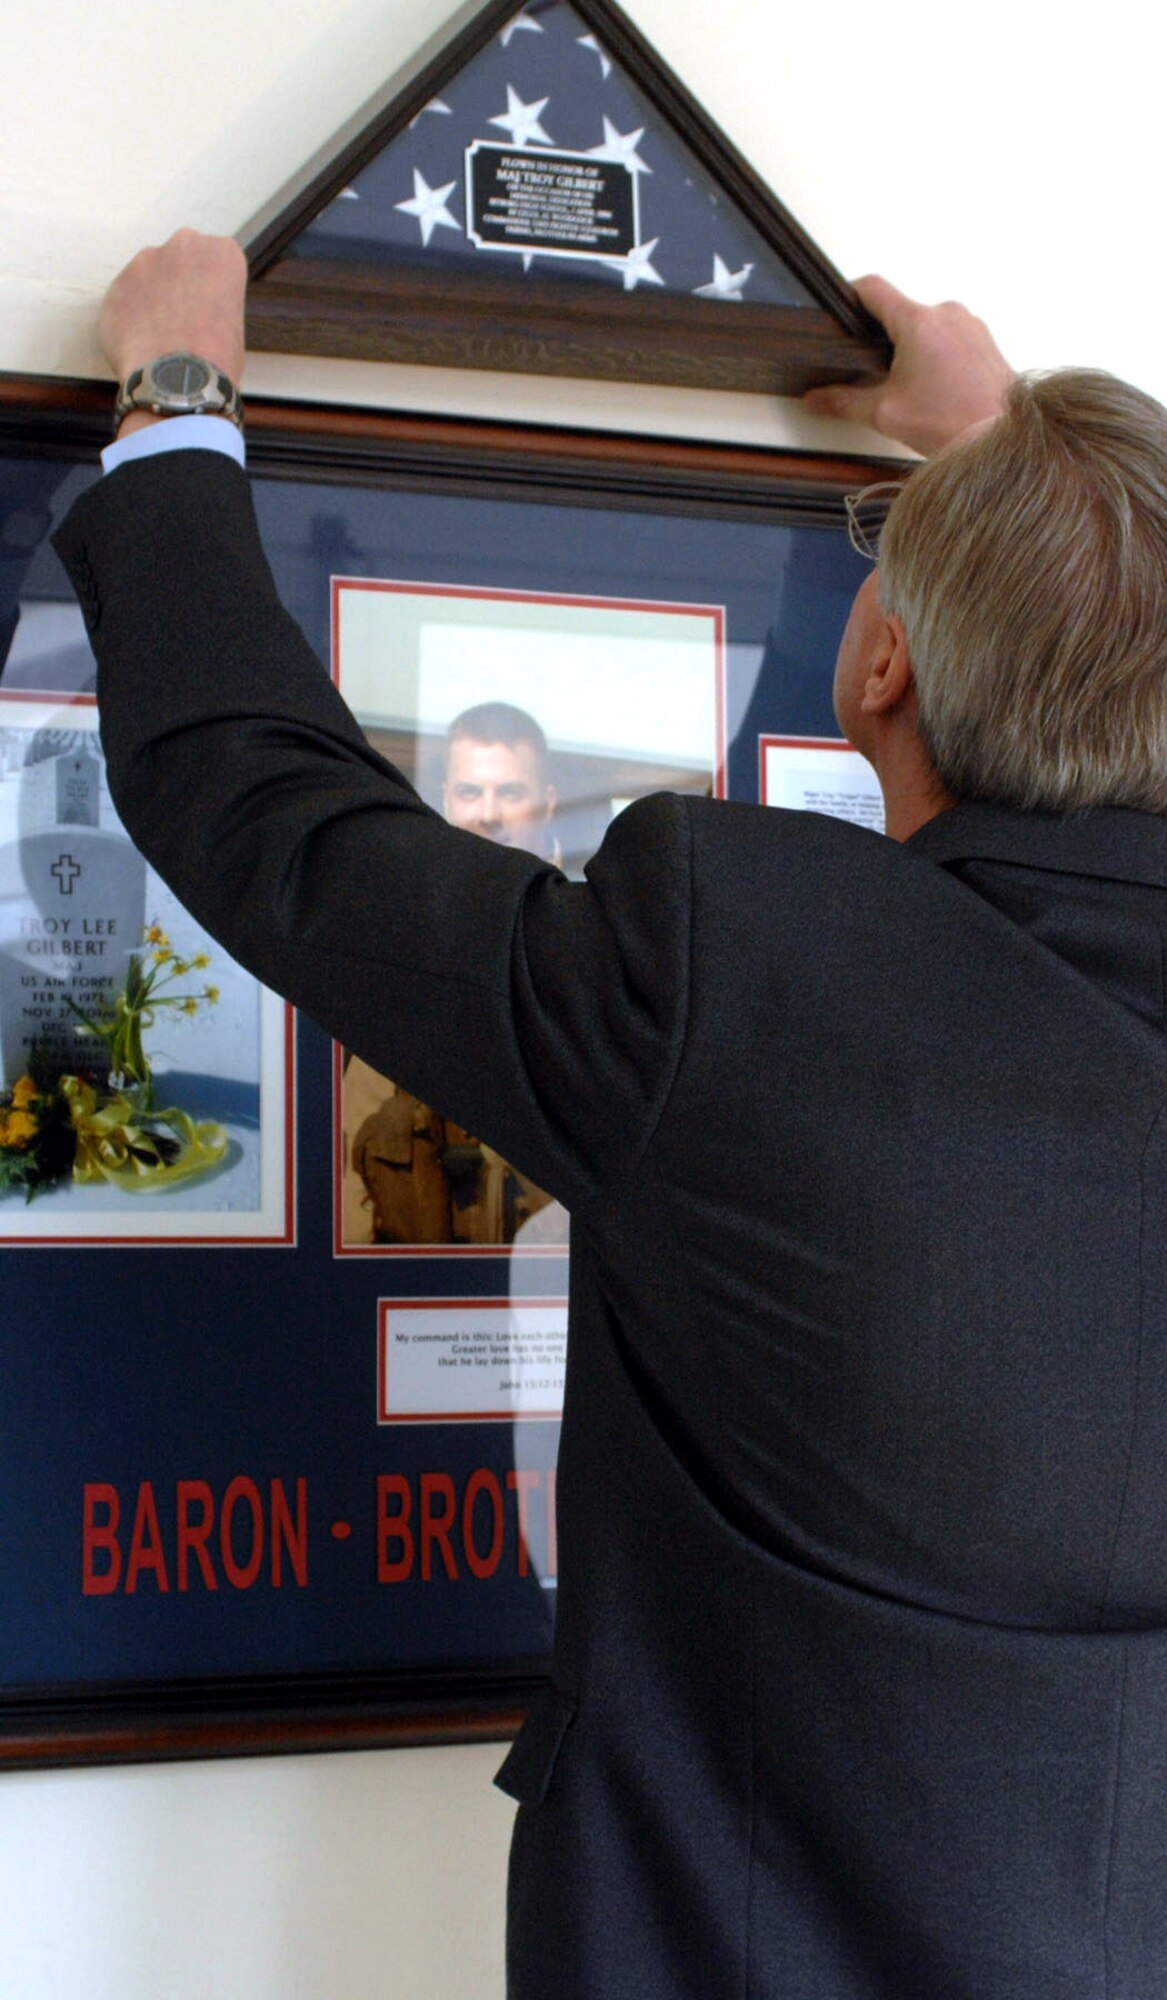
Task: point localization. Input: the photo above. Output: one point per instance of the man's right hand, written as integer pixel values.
(947, 373)
(189, 294)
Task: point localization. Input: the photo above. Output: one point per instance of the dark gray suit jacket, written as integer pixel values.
(860, 1685)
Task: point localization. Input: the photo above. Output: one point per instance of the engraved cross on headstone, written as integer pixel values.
(66, 871)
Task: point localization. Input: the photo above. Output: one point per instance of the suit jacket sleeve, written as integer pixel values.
(545, 1015)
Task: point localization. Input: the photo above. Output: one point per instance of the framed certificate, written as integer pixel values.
(281, 1454)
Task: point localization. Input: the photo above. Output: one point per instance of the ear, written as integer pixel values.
(890, 681)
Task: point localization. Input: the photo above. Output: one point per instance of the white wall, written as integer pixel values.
(364, 1876)
(1009, 156)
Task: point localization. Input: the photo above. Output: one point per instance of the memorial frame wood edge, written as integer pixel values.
(116, 1723)
(544, 327)
(487, 456)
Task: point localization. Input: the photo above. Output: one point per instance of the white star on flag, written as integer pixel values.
(636, 267)
(726, 284)
(429, 206)
(348, 194)
(436, 104)
(522, 120)
(520, 21)
(590, 42)
(621, 146)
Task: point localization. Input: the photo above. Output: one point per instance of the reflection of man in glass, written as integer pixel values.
(410, 1175)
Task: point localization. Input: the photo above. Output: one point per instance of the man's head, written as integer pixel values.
(1027, 569)
(496, 777)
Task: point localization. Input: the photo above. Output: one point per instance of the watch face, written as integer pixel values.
(181, 375)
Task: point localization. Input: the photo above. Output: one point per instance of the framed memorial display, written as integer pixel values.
(538, 191)
(281, 1448)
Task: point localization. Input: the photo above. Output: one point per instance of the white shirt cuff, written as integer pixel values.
(176, 434)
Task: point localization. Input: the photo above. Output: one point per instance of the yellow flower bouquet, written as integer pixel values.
(93, 1130)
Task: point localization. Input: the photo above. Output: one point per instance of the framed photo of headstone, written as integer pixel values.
(279, 1466)
(148, 1079)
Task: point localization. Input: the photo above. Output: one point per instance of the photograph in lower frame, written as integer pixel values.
(532, 720)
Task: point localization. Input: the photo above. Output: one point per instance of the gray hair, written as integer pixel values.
(1029, 567)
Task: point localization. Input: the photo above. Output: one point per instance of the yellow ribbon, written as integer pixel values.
(114, 1145)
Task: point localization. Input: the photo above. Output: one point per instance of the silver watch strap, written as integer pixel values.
(220, 398)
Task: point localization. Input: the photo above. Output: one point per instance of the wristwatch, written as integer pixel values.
(179, 385)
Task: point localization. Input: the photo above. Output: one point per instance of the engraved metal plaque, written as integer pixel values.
(561, 204)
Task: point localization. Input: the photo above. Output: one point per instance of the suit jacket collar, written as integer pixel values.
(1108, 842)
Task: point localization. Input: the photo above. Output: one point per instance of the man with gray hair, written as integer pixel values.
(1027, 569)
(860, 1676)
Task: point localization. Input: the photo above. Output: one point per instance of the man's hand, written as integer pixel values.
(188, 294)
(947, 373)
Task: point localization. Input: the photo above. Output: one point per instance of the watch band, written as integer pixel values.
(211, 394)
